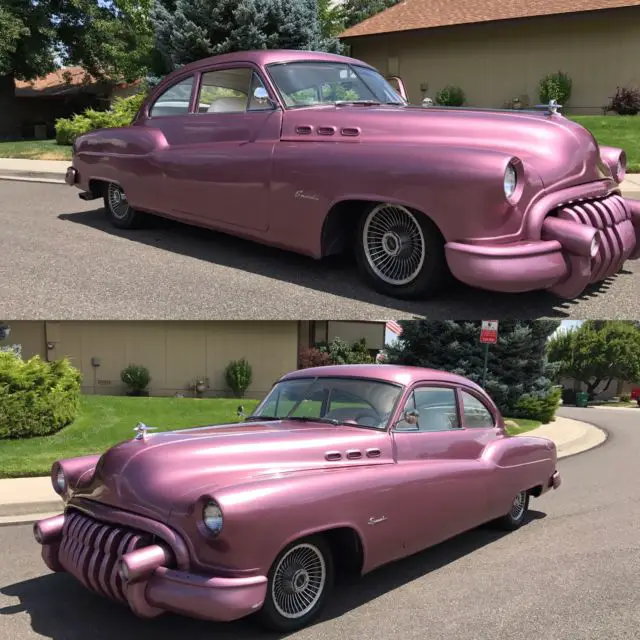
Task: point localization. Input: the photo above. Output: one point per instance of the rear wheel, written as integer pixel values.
(119, 210)
(517, 514)
(299, 583)
(400, 252)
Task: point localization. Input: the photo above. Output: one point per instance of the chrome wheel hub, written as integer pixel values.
(518, 506)
(298, 581)
(394, 244)
(117, 200)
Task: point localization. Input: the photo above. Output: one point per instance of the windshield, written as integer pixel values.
(362, 402)
(304, 84)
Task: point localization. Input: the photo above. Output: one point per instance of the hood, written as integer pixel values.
(152, 476)
(559, 150)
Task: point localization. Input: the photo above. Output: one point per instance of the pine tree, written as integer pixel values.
(188, 30)
(517, 364)
(355, 11)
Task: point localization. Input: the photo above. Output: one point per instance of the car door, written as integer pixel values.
(445, 489)
(217, 165)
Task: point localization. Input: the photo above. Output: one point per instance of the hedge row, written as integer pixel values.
(37, 398)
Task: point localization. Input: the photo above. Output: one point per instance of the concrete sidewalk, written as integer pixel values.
(54, 170)
(28, 499)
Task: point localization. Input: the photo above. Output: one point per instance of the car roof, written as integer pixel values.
(398, 374)
(271, 56)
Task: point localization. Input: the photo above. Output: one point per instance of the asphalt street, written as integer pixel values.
(60, 258)
(573, 571)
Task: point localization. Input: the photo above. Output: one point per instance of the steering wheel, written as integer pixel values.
(364, 417)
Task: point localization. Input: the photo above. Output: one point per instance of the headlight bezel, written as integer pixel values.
(59, 480)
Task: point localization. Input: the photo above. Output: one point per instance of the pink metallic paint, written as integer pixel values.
(141, 504)
(243, 173)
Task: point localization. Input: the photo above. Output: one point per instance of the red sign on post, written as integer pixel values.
(489, 332)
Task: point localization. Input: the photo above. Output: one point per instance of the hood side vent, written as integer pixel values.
(373, 453)
(332, 456)
(326, 131)
(354, 454)
(304, 130)
(350, 132)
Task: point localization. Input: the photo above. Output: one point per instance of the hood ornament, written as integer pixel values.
(142, 430)
(552, 108)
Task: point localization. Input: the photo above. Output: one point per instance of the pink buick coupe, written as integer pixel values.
(318, 154)
(339, 469)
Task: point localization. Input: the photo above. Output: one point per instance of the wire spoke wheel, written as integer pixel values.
(519, 506)
(118, 204)
(298, 581)
(394, 244)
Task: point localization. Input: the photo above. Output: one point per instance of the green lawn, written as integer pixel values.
(107, 420)
(616, 131)
(523, 425)
(35, 150)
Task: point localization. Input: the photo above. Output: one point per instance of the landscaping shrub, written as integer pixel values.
(450, 96)
(239, 376)
(313, 357)
(136, 377)
(121, 114)
(625, 397)
(626, 102)
(556, 86)
(538, 407)
(37, 398)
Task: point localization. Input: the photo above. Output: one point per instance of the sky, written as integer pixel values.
(565, 325)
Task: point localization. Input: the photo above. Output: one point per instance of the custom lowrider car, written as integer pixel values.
(341, 468)
(318, 154)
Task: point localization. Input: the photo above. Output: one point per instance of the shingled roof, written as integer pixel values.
(427, 14)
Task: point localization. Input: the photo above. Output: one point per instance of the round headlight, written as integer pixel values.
(212, 518)
(510, 181)
(621, 168)
(61, 481)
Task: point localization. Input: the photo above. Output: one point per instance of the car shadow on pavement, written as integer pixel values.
(336, 275)
(61, 609)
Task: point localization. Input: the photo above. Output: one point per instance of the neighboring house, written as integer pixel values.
(179, 353)
(59, 95)
(497, 51)
(615, 389)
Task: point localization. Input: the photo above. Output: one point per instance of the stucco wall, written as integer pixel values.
(176, 353)
(496, 62)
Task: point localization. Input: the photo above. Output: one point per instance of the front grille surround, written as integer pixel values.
(613, 220)
(91, 550)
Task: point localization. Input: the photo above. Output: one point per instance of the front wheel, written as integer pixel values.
(299, 583)
(119, 211)
(517, 514)
(401, 252)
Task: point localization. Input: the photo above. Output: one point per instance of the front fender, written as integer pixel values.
(262, 516)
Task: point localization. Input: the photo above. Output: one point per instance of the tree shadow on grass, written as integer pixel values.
(61, 609)
(336, 275)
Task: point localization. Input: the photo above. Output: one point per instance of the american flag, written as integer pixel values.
(394, 327)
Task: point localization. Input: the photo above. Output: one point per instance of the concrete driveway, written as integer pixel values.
(572, 572)
(60, 258)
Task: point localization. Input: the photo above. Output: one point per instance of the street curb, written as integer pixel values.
(607, 438)
(33, 177)
(26, 508)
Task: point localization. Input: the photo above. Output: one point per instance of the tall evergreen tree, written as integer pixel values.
(187, 30)
(517, 364)
(355, 11)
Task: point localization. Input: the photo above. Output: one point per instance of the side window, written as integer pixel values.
(225, 91)
(430, 409)
(476, 415)
(174, 101)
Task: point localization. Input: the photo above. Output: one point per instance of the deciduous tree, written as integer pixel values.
(355, 11)
(598, 352)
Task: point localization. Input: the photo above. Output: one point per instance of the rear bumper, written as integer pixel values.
(116, 562)
(582, 243)
(555, 481)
